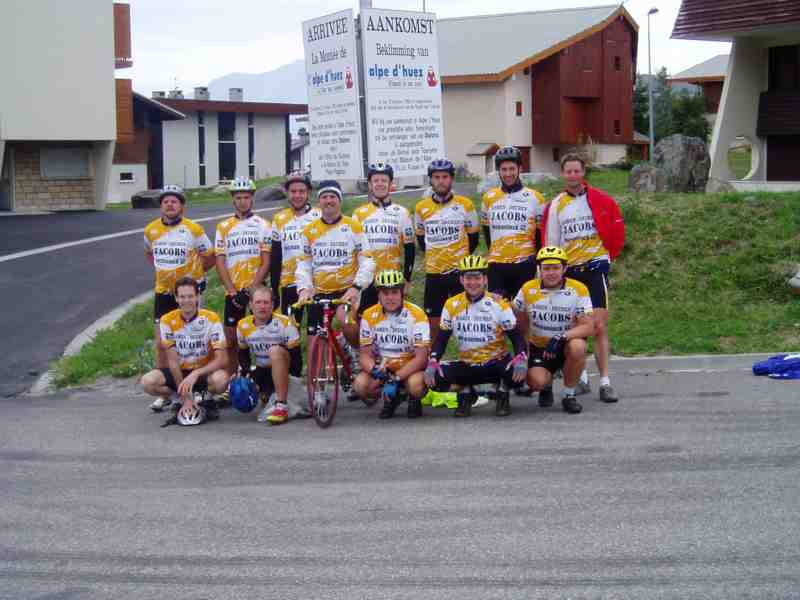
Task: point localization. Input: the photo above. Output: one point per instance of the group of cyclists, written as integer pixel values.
(543, 285)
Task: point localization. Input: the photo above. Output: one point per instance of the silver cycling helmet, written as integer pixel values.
(191, 416)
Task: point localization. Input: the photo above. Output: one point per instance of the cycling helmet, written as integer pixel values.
(330, 186)
(242, 184)
(380, 168)
(472, 262)
(389, 279)
(191, 416)
(507, 153)
(550, 255)
(297, 177)
(243, 393)
(172, 190)
(441, 164)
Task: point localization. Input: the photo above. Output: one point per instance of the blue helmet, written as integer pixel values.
(244, 394)
(442, 164)
(380, 168)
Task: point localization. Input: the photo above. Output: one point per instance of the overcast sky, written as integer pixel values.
(206, 39)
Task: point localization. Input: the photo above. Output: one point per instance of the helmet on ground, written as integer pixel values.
(380, 168)
(550, 255)
(242, 184)
(389, 279)
(243, 393)
(472, 262)
(507, 153)
(330, 186)
(172, 190)
(297, 177)
(191, 416)
(442, 164)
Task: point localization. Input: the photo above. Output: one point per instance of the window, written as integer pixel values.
(252, 171)
(126, 177)
(201, 146)
(65, 163)
(251, 145)
(556, 154)
(202, 174)
(201, 117)
(519, 108)
(250, 119)
(617, 127)
(617, 63)
(227, 126)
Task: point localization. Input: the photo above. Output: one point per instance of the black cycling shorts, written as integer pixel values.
(438, 288)
(506, 279)
(315, 311)
(463, 374)
(536, 359)
(201, 385)
(288, 297)
(262, 376)
(233, 314)
(593, 275)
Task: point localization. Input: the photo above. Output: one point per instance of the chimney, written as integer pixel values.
(236, 94)
(176, 94)
(201, 93)
(159, 95)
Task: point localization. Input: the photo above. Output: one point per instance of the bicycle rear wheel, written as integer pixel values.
(323, 382)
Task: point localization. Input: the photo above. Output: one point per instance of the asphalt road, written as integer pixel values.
(49, 298)
(686, 489)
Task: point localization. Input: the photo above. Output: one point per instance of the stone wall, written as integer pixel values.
(32, 192)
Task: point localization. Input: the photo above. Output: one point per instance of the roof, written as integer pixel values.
(260, 108)
(640, 139)
(493, 47)
(482, 149)
(725, 19)
(714, 69)
(166, 113)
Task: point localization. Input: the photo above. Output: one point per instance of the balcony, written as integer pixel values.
(122, 36)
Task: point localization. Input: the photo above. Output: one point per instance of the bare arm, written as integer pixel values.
(523, 323)
(263, 269)
(365, 358)
(224, 276)
(174, 364)
(584, 328)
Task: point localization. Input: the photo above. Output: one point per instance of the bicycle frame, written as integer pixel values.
(327, 331)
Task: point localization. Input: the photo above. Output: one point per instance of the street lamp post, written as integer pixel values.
(652, 11)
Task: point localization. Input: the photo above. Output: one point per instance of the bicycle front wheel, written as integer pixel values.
(323, 382)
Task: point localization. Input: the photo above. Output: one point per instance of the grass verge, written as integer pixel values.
(699, 274)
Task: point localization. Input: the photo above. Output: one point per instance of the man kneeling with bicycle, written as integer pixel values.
(479, 321)
(394, 344)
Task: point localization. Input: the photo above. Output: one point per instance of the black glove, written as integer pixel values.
(241, 298)
(556, 344)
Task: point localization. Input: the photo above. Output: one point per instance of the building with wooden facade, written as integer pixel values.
(760, 98)
(709, 76)
(59, 116)
(543, 81)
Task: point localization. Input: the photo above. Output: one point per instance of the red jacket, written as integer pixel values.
(607, 219)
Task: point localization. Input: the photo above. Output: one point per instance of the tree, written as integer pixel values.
(641, 113)
(688, 115)
(662, 105)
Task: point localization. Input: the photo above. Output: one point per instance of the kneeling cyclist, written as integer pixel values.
(194, 343)
(274, 341)
(479, 321)
(556, 313)
(394, 344)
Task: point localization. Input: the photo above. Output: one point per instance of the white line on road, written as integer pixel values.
(109, 236)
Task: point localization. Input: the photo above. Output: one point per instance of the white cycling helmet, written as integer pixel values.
(191, 416)
(242, 184)
(172, 190)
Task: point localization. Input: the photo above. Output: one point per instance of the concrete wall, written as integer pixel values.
(122, 192)
(518, 131)
(181, 164)
(608, 154)
(542, 159)
(271, 146)
(57, 65)
(472, 113)
(738, 109)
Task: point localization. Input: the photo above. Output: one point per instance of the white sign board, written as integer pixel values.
(333, 109)
(403, 89)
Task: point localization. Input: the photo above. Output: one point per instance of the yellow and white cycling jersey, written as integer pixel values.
(445, 227)
(478, 326)
(241, 242)
(280, 330)
(176, 251)
(571, 226)
(512, 220)
(388, 229)
(552, 311)
(335, 256)
(394, 338)
(194, 340)
(287, 229)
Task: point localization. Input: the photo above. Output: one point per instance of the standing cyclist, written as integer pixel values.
(388, 228)
(587, 224)
(447, 231)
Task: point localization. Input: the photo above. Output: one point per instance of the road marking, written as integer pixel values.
(140, 230)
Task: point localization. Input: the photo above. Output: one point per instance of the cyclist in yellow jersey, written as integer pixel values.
(556, 314)
(336, 262)
(480, 321)
(287, 247)
(195, 346)
(242, 247)
(394, 344)
(389, 230)
(511, 215)
(176, 247)
(447, 230)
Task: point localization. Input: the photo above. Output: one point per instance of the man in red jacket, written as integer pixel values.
(588, 224)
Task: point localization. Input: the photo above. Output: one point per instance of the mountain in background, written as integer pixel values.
(284, 84)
